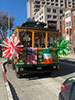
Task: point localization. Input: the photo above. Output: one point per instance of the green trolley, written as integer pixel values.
(37, 48)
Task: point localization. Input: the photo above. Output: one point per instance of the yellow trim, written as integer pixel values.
(39, 48)
(37, 30)
(20, 63)
(32, 39)
(46, 38)
(17, 34)
(41, 62)
(58, 67)
(17, 69)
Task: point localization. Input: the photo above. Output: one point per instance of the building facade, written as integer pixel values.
(68, 26)
(56, 3)
(47, 11)
(70, 3)
(33, 6)
(29, 9)
(51, 15)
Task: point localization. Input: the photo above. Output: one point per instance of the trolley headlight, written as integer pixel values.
(40, 56)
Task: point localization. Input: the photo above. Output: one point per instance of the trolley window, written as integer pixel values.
(39, 40)
(51, 40)
(26, 38)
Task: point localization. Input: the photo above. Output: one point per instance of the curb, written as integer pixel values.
(9, 93)
(68, 57)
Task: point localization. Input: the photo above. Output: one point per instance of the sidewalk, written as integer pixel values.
(3, 93)
(71, 56)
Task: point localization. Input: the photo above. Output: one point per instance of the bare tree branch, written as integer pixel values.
(4, 23)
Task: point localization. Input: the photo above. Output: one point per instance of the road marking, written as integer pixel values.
(68, 64)
(9, 93)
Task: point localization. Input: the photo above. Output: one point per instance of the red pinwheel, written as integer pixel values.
(12, 48)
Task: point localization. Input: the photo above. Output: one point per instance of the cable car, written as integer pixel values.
(37, 41)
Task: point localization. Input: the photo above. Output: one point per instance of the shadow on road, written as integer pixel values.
(15, 97)
(65, 69)
(37, 76)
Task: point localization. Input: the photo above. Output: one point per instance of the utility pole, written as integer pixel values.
(8, 24)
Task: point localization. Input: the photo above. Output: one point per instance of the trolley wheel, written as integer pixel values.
(19, 75)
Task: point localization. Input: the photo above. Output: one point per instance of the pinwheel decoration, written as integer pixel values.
(12, 48)
(62, 47)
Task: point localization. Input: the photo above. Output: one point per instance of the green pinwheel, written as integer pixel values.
(62, 47)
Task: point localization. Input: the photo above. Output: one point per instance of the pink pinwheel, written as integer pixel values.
(12, 48)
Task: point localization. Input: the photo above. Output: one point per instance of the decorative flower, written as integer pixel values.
(12, 48)
(62, 47)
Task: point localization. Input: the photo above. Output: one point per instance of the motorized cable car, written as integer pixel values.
(37, 41)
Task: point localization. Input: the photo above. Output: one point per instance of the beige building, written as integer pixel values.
(47, 11)
(50, 15)
(33, 6)
(56, 3)
(29, 9)
(70, 3)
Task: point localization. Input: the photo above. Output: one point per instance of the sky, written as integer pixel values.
(16, 8)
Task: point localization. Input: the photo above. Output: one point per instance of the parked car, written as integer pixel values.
(68, 89)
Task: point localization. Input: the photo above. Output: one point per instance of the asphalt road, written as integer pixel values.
(40, 86)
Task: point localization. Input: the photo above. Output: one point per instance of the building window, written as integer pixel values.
(67, 15)
(74, 43)
(74, 32)
(61, 11)
(54, 17)
(52, 0)
(56, 4)
(37, 2)
(42, 17)
(63, 26)
(48, 3)
(61, 1)
(43, 2)
(48, 10)
(73, 13)
(63, 18)
(48, 16)
(69, 23)
(66, 24)
(52, 4)
(56, 0)
(54, 10)
(64, 35)
(61, 5)
(74, 22)
(37, 6)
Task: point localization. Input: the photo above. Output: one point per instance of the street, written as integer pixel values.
(40, 86)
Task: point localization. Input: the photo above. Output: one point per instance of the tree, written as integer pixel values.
(4, 25)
